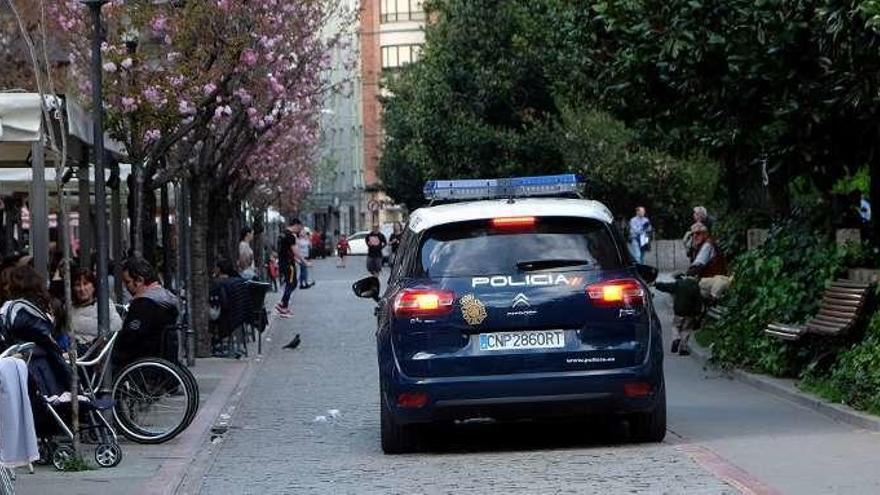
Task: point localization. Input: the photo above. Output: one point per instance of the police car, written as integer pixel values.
(514, 298)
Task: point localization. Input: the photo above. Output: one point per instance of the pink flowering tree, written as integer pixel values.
(223, 92)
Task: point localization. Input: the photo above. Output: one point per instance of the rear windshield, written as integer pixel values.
(477, 248)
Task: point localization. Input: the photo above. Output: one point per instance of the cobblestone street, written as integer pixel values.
(308, 423)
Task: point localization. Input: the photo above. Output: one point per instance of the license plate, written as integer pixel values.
(532, 339)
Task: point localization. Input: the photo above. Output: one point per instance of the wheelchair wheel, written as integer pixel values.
(193, 390)
(152, 401)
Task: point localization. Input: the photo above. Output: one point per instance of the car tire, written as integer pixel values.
(650, 426)
(396, 438)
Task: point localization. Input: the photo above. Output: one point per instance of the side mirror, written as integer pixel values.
(648, 273)
(367, 288)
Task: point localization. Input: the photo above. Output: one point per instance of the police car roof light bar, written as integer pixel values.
(515, 187)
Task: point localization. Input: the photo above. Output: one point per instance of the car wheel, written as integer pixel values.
(396, 438)
(650, 426)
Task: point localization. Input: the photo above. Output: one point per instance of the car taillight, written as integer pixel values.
(617, 294)
(423, 302)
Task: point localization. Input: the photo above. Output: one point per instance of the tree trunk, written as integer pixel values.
(150, 234)
(730, 159)
(874, 188)
(259, 243)
(136, 208)
(167, 246)
(778, 193)
(201, 217)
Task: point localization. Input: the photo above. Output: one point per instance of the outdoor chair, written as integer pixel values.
(257, 316)
(843, 306)
(233, 298)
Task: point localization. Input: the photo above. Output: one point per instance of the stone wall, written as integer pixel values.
(668, 255)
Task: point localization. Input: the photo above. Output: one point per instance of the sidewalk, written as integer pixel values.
(149, 469)
(784, 388)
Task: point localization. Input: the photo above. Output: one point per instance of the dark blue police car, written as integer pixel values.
(514, 298)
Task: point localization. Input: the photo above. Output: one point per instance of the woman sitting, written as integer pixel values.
(26, 317)
(84, 314)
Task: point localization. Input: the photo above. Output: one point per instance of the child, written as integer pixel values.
(272, 269)
(342, 250)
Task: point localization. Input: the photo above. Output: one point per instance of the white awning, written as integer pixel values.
(79, 124)
(20, 117)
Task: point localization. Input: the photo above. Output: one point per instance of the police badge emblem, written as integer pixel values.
(472, 310)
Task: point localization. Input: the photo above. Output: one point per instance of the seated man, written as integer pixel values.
(708, 264)
(708, 260)
(151, 311)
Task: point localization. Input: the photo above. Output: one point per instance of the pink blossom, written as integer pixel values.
(243, 96)
(153, 95)
(126, 63)
(152, 136)
(209, 88)
(109, 67)
(129, 104)
(159, 24)
(176, 81)
(223, 5)
(249, 57)
(185, 107)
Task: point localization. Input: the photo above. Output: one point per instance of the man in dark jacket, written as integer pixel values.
(151, 313)
(687, 305)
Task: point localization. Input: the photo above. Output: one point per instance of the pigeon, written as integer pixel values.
(293, 344)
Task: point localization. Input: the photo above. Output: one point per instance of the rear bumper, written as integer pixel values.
(526, 395)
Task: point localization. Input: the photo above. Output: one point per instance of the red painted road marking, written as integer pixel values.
(725, 470)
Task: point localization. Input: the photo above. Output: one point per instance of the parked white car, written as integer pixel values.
(357, 243)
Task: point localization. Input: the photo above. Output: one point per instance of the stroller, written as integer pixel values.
(52, 410)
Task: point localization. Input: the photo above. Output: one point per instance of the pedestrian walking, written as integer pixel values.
(246, 267)
(288, 259)
(640, 231)
(375, 243)
(272, 270)
(304, 244)
(342, 250)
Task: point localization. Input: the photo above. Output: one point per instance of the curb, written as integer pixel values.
(787, 390)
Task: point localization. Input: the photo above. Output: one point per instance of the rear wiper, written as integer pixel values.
(543, 264)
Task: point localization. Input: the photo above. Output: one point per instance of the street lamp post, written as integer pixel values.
(100, 185)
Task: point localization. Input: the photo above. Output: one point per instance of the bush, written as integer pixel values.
(855, 377)
(731, 231)
(780, 281)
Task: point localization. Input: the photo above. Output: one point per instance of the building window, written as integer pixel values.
(394, 56)
(402, 10)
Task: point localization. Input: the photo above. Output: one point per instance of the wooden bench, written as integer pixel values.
(842, 307)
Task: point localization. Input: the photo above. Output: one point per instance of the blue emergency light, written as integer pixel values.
(514, 187)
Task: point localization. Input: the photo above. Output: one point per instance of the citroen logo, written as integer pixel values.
(520, 300)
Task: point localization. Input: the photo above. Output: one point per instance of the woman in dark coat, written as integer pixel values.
(26, 316)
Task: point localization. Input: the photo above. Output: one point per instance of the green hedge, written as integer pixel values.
(783, 281)
(780, 281)
(855, 378)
